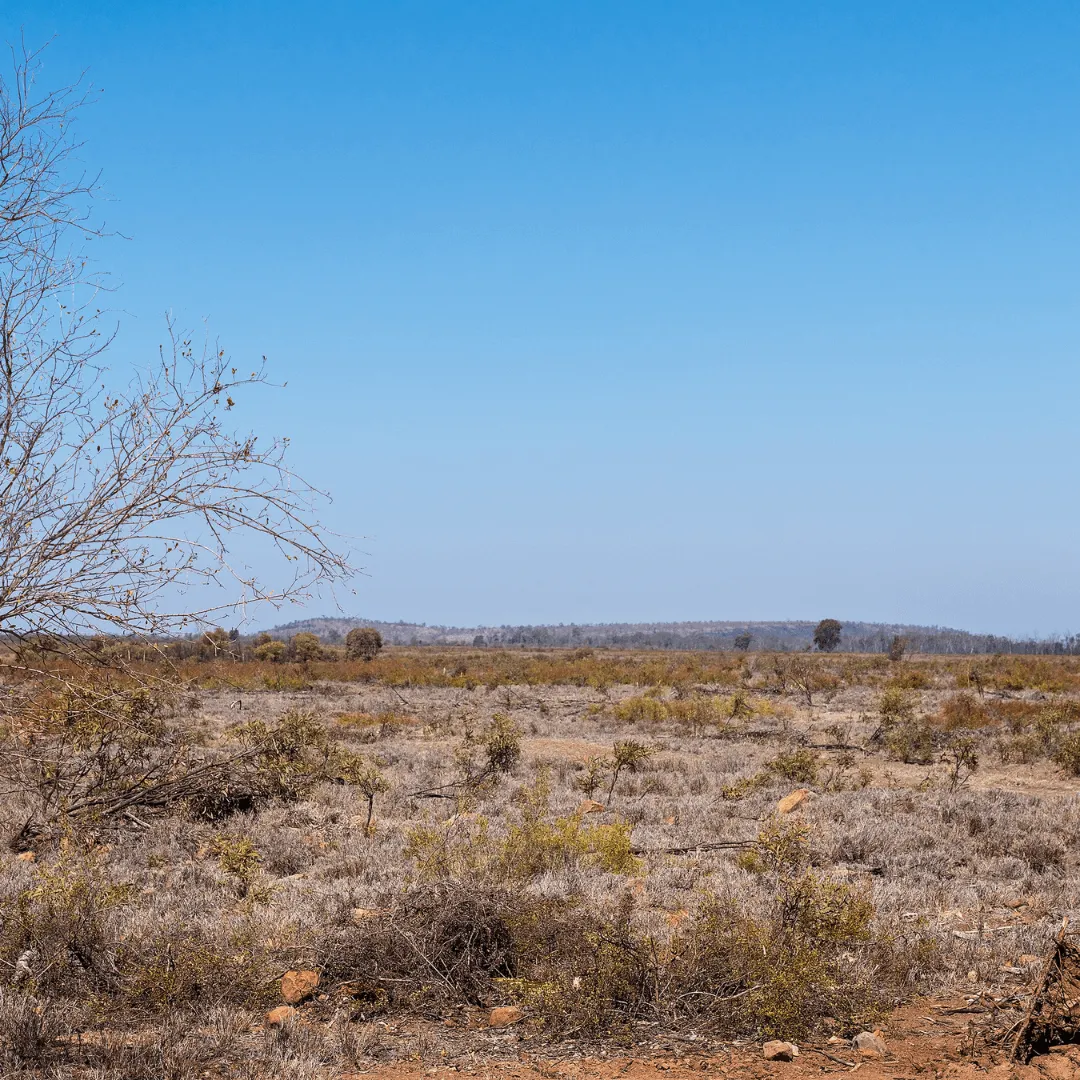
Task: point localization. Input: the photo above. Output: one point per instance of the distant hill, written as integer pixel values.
(772, 636)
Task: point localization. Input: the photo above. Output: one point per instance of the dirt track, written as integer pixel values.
(925, 1039)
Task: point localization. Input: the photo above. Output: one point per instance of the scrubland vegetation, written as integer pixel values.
(592, 838)
(442, 852)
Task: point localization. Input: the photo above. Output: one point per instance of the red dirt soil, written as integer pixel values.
(926, 1041)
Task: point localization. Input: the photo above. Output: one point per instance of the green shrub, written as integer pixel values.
(66, 920)
(796, 766)
(177, 965)
(910, 678)
(641, 710)
(896, 705)
(304, 647)
(239, 858)
(782, 847)
(272, 651)
(531, 846)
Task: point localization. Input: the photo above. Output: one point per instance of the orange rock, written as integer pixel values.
(587, 806)
(776, 1050)
(297, 985)
(26, 856)
(792, 802)
(505, 1015)
(277, 1017)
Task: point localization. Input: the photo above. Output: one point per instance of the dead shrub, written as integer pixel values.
(962, 712)
(182, 963)
(911, 741)
(1042, 855)
(1068, 755)
(910, 677)
(29, 1030)
(442, 941)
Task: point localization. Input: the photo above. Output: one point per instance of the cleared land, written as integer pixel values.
(660, 910)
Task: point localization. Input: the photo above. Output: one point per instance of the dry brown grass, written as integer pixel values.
(490, 888)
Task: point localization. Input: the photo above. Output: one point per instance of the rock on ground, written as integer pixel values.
(297, 985)
(277, 1017)
(792, 802)
(869, 1044)
(505, 1015)
(776, 1050)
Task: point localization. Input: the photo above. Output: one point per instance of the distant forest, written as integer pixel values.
(764, 636)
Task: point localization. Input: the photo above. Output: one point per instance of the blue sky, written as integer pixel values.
(626, 311)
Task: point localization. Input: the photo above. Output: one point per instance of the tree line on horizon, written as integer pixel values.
(791, 636)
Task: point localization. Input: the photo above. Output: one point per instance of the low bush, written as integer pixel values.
(63, 926)
(794, 766)
(587, 967)
(962, 712)
(911, 741)
(1068, 755)
(532, 845)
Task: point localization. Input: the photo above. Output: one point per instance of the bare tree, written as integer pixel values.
(120, 498)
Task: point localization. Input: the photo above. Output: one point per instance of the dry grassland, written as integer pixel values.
(590, 839)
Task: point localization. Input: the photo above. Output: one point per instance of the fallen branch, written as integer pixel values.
(831, 1057)
(722, 845)
(1036, 1002)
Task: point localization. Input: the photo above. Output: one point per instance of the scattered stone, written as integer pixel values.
(776, 1050)
(789, 803)
(505, 1015)
(277, 1017)
(26, 856)
(588, 806)
(298, 985)
(869, 1044)
(1014, 904)
(23, 967)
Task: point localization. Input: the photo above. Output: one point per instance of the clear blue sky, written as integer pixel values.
(627, 311)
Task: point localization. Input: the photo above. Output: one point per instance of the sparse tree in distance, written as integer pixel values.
(743, 640)
(827, 635)
(274, 651)
(303, 648)
(121, 495)
(214, 643)
(363, 643)
(897, 648)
